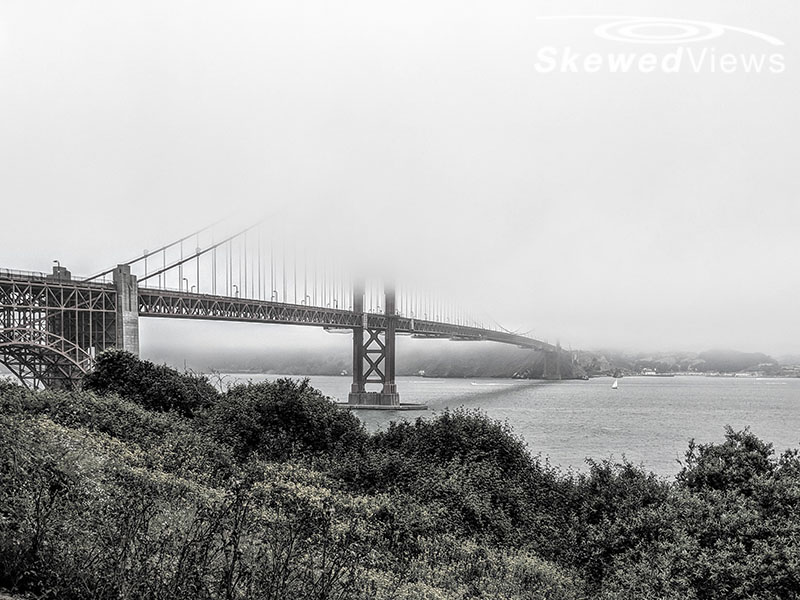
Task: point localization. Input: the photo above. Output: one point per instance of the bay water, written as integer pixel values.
(648, 420)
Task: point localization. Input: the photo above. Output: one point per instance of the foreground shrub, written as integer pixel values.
(274, 492)
(85, 518)
(467, 436)
(619, 509)
(470, 471)
(740, 506)
(164, 441)
(736, 465)
(152, 386)
(455, 569)
(282, 419)
(728, 529)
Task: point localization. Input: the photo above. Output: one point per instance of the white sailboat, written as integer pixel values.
(615, 385)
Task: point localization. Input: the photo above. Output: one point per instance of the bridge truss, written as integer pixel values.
(54, 325)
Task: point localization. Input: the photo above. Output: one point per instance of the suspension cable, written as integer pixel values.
(161, 249)
(201, 253)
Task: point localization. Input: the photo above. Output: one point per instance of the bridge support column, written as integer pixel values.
(357, 388)
(373, 360)
(552, 364)
(389, 393)
(127, 310)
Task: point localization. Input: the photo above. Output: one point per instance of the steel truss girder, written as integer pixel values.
(49, 327)
(174, 304)
(157, 303)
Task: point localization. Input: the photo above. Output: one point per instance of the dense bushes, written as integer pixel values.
(153, 386)
(738, 465)
(85, 520)
(729, 528)
(86, 514)
(741, 508)
(470, 471)
(270, 491)
(283, 419)
(459, 435)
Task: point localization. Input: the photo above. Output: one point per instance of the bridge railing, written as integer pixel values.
(17, 274)
(37, 277)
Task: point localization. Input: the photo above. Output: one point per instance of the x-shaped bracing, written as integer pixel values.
(374, 346)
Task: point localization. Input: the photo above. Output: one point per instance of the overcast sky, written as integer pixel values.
(633, 210)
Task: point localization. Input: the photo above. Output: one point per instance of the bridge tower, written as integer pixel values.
(374, 359)
(552, 363)
(127, 321)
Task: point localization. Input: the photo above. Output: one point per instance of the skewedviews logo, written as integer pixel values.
(672, 46)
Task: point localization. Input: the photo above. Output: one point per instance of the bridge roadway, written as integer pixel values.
(187, 305)
(51, 326)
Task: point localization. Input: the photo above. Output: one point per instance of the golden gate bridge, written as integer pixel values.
(53, 325)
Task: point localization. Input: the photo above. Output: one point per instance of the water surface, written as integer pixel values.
(649, 420)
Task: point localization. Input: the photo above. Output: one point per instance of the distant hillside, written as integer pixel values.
(713, 361)
(730, 361)
(440, 358)
(482, 359)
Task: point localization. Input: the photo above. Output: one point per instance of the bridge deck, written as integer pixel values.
(79, 318)
(186, 305)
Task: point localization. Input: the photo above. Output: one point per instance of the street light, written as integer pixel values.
(236, 287)
(187, 283)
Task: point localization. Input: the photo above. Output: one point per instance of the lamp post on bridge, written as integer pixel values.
(60, 272)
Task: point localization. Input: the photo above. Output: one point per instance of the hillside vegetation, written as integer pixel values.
(150, 484)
